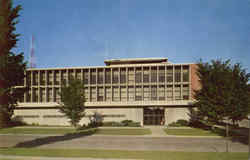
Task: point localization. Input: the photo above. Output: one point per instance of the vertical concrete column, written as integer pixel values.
(157, 83)
(181, 82)
(189, 81)
(111, 82)
(39, 79)
(31, 86)
(119, 83)
(81, 76)
(53, 85)
(142, 82)
(104, 85)
(96, 88)
(25, 85)
(173, 82)
(47, 83)
(134, 83)
(89, 97)
(127, 82)
(165, 82)
(150, 83)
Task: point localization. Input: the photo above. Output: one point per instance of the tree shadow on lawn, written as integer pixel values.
(53, 139)
(234, 136)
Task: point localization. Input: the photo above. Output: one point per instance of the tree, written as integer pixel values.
(224, 93)
(72, 98)
(12, 66)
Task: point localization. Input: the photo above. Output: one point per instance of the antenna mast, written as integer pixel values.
(32, 53)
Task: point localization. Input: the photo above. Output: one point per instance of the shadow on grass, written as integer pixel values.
(53, 139)
(235, 134)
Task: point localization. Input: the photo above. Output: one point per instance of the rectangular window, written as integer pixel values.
(107, 76)
(92, 76)
(50, 94)
(57, 78)
(153, 74)
(42, 95)
(50, 77)
(78, 74)
(146, 93)
(42, 78)
(169, 92)
(64, 76)
(35, 78)
(185, 74)
(146, 75)
(138, 93)
(177, 92)
(100, 93)
(185, 92)
(161, 93)
(177, 74)
(131, 93)
(115, 76)
(138, 75)
(153, 93)
(123, 94)
(169, 74)
(86, 94)
(108, 94)
(93, 94)
(86, 77)
(57, 95)
(28, 96)
(28, 78)
(161, 74)
(131, 76)
(100, 77)
(123, 76)
(116, 96)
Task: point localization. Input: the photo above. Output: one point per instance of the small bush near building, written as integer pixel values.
(179, 123)
(124, 123)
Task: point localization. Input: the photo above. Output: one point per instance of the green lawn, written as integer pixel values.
(35, 130)
(116, 154)
(190, 132)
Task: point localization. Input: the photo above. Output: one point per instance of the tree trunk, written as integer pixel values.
(4, 119)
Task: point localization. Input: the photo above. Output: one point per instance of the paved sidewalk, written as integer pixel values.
(55, 158)
(157, 131)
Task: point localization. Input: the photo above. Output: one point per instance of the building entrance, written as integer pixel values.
(153, 116)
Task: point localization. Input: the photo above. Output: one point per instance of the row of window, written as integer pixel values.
(122, 93)
(107, 76)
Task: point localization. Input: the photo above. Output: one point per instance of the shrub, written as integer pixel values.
(183, 122)
(179, 123)
(126, 122)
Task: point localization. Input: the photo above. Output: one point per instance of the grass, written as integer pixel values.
(116, 154)
(190, 132)
(34, 130)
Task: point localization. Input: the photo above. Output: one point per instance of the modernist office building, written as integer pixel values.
(151, 91)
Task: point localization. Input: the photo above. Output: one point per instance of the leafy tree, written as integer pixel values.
(72, 98)
(12, 66)
(224, 93)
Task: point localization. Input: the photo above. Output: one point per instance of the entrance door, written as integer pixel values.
(153, 116)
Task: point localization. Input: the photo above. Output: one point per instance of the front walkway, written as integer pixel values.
(157, 131)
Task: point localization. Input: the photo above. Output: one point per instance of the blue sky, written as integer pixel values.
(85, 32)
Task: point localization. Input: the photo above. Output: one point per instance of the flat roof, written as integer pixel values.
(135, 61)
